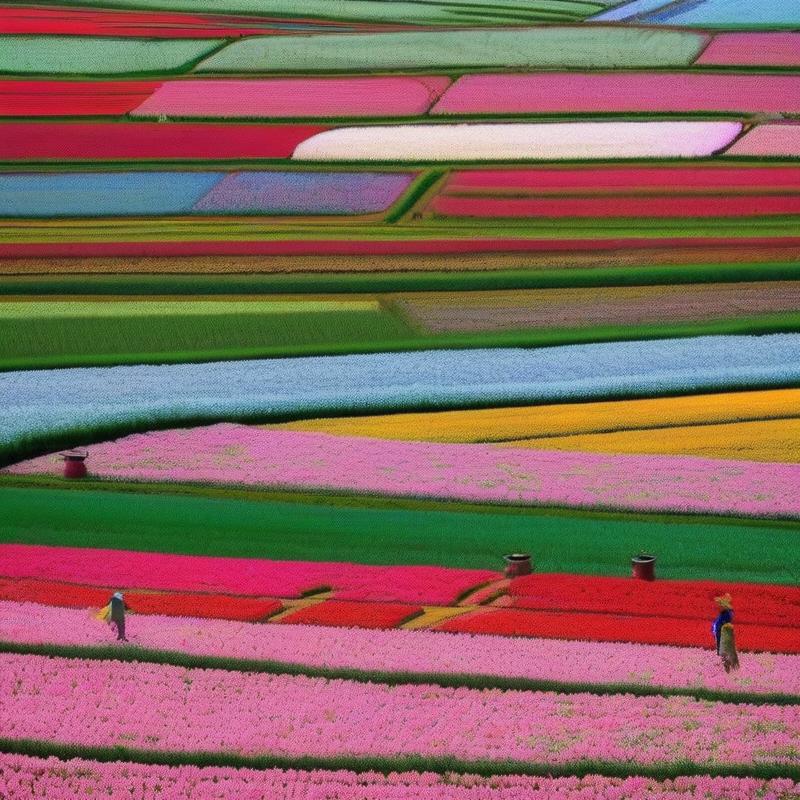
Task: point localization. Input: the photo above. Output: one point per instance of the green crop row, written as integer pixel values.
(39, 341)
(373, 531)
(385, 764)
(410, 281)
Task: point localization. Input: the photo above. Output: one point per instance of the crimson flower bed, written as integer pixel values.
(753, 603)
(318, 247)
(153, 24)
(620, 628)
(100, 141)
(72, 98)
(345, 614)
(174, 604)
(673, 206)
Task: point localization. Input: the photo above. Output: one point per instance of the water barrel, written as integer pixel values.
(74, 464)
(643, 567)
(517, 564)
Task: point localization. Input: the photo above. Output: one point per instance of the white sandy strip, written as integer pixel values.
(500, 142)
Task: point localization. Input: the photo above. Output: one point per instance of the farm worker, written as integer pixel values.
(724, 617)
(118, 615)
(727, 648)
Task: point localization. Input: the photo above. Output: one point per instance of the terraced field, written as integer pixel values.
(312, 312)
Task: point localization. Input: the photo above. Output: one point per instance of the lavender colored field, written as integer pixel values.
(295, 97)
(66, 780)
(38, 404)
(502, 142)
(305, 192)
(751, 48)
(243, 455)
(545, 308)
(172, 708)
(417, 651)
(778, 139)
(239, 576)
(556, 92)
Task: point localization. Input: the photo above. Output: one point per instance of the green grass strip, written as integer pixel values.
(545, 47)
(387, 764)
(96, 55)
(418, 12)
(410, 281)
(135, 654)
(163, 518)
(39, 342)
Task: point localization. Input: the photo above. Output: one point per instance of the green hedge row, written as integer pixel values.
(440, 764)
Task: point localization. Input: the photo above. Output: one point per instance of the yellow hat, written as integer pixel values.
(724, 601)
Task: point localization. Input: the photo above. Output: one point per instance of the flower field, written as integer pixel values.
(240, 454)
(568, 419)
(197, 710)
(460, 659)
(317, 317)
(66, 779)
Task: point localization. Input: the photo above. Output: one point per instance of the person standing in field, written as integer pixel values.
(723, 633)
(118, 609)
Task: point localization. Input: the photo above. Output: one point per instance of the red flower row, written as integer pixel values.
(620, 628)
(173, 604)
(347, 614)
(763, 604)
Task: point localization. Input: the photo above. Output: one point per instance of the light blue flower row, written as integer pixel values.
(41, 403)
(103, 194)
(705, 12)
(114, 194)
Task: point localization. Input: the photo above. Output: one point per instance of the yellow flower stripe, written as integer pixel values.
(507, 424)
(434, 615)
(764, 440)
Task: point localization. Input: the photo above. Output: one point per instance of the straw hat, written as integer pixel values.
(724, 601)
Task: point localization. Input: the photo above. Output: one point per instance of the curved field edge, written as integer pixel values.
(326, 528)
(487, 768)
(135, 654)
(78, 435)
(389, 335)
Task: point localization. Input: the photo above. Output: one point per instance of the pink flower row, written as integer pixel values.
(238, 576)
(416, 651)
(240, 454)
(157, 707)
(23, 777)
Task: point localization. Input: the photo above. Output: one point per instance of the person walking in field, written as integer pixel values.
(114, 614)
(118, 609)
(722, 629)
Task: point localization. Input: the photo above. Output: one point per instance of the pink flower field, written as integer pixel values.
(298, 97)
(166, 708)
(322, 556)
(570, 92)
(427, 652)
(67, 780)
(245, 455)
(238, 576)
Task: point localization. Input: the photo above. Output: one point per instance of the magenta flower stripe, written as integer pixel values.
(238, 576)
